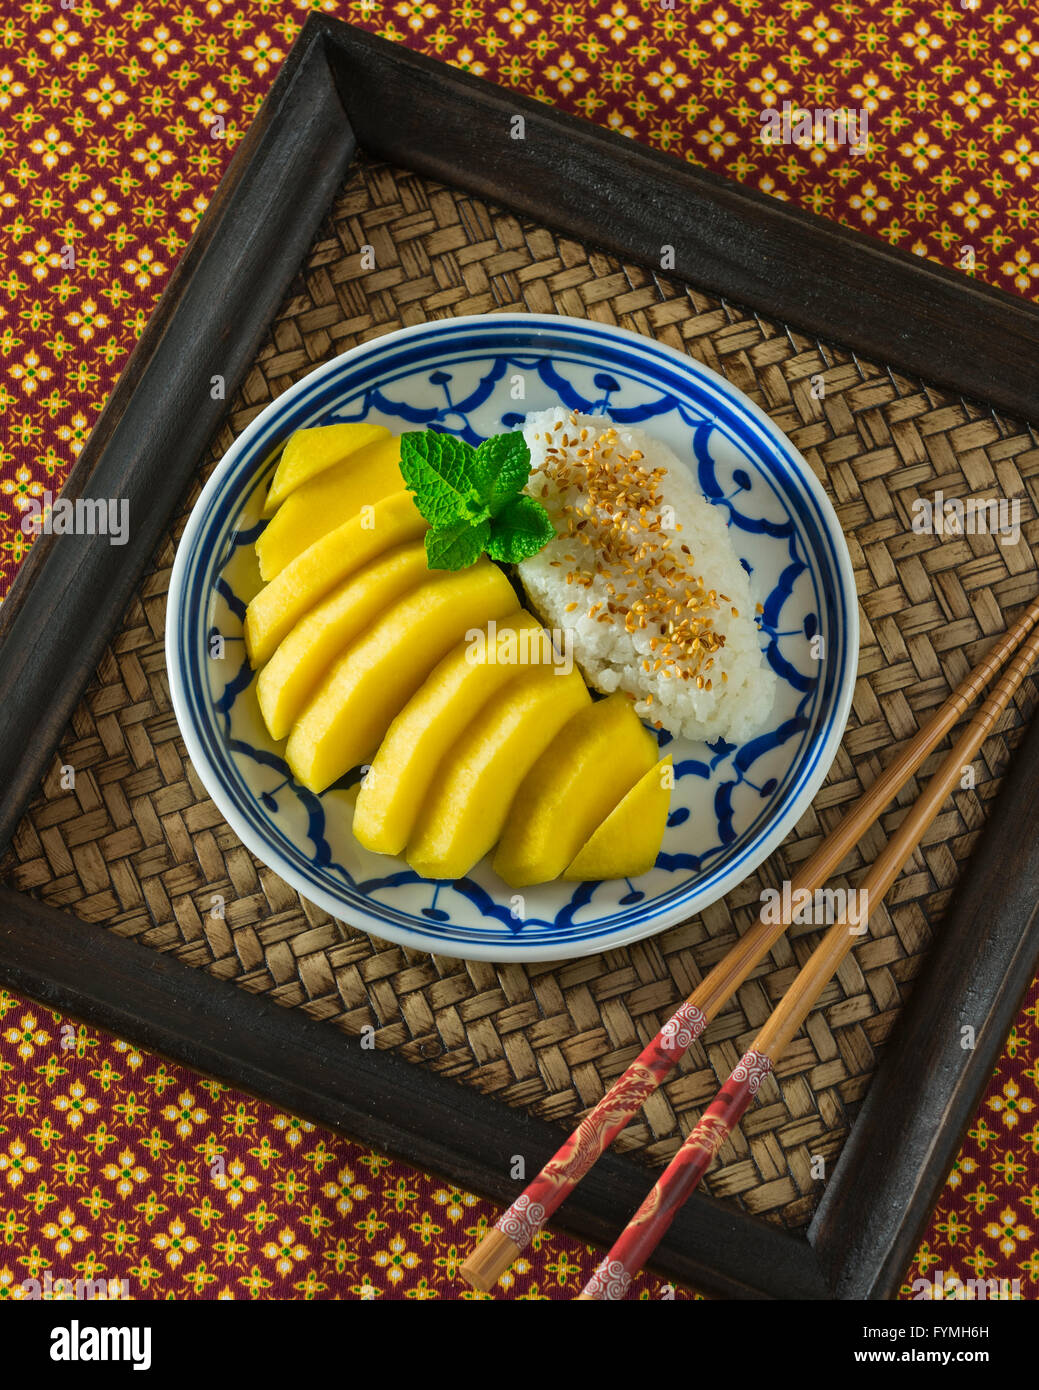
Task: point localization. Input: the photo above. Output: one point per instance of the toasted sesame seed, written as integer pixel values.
(612, 504)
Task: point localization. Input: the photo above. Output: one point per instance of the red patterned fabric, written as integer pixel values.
(117, 122)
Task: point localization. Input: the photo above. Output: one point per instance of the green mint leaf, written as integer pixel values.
(507, 460)
(520, 530)
(473, 498)
(456, 547)
(441, 472)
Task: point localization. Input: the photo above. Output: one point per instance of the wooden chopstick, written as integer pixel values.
(640, 1237)
(546, 1192)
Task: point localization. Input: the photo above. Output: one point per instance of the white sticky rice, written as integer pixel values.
(654, 596)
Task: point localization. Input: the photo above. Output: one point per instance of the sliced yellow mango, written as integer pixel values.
(291, 676)
(370, 683)
(629, 839)
(430, 723)
(594, 761)
(325, 502)
(309, 452)
(466, 809)
(280, 604)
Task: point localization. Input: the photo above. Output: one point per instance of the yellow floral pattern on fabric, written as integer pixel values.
(118, 120)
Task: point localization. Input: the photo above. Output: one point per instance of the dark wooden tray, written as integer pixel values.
(340, 93)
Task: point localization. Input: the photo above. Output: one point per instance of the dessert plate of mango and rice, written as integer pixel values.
(512, 637)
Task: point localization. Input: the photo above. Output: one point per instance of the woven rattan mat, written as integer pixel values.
(139, 847)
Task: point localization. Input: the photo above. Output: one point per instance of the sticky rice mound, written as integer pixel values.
(643, 576)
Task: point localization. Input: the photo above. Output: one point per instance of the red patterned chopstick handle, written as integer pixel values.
(646, 1228)
(597, 1130)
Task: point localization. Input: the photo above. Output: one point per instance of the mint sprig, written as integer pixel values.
(473, 499)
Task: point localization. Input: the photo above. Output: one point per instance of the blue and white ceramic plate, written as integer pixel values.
(731, 805)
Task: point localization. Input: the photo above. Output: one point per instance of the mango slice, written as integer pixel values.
(309, 452)
(435, 717)
(370, 683)
(325, 502)
(291, 676)
(466, 809)
(592, 763)
(628, 841)
(280, 604)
